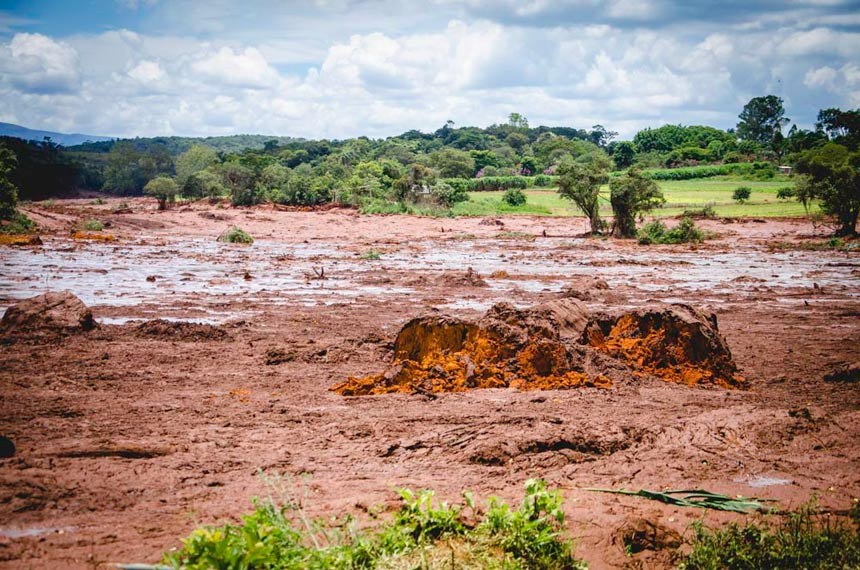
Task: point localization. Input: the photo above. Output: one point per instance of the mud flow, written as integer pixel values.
(554, 346)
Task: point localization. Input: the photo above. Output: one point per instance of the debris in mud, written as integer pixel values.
(845, 373)
(7, 447)
(468, 279)
(52, 311)
(639, 535)
(275, 356)
(491, 222)
(556, 345)
(586, 288)
(677, 343)
(93, 236)
(172, 330)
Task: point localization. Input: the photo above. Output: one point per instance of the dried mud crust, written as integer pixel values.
(552, 347)
(183, 331)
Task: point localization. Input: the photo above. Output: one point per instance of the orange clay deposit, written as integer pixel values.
(677, 344)
(547, 347)
(20, 239)
(92, 236)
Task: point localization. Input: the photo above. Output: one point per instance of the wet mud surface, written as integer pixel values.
(212, 362)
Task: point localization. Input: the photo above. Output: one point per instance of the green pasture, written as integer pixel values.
(680, 195)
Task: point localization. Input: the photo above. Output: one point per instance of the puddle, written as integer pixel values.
(201, 274)
(27, 532)
(763, 481)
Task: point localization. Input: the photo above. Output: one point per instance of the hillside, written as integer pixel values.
(17, 131)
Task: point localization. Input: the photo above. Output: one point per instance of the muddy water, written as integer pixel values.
(196, 278)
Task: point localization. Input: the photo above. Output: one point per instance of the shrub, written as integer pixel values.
(785, 193)
(448, 195)
(804, 539)
(371, 255)
(19, 223)
(707, 212)
(741, 194)
(514, 197)
(236, 235)
(424, 533)
(92, 225)
(657, 233)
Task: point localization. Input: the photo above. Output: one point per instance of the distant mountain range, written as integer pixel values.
(17, 131)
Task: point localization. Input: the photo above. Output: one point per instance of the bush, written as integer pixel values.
(92, 225)
(785, 193)
(19, 223)
(448, 195)
(371, 255)
(706, 212)
(424, 533)
(741, 194)
(804, 539)
(514, 197)
(657, 233)
(632, 195)
(236, 235)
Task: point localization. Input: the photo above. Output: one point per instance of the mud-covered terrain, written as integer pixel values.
(212, 362)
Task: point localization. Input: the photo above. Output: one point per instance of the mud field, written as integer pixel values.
(213, 362)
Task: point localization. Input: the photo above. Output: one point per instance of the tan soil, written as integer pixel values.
(127, 439)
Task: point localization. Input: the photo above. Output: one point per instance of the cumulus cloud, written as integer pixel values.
(38, 64)
(329, 69)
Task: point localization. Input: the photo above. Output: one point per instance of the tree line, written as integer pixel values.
(443, 165)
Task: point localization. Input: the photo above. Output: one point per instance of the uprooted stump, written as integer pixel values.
(55, 312)
(557, 345)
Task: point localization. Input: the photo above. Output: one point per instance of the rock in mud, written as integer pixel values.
(844, 373)
(7, 447)
(51, 312)
(586, 288)
(468, 279)
(556, 345)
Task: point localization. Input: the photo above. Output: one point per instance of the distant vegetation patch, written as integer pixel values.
(236, 235)
(656, 232)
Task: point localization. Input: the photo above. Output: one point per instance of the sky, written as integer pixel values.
(346, 68)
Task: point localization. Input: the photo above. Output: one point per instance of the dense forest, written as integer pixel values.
(439, 166)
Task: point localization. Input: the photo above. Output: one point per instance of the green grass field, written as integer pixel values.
(680, 195)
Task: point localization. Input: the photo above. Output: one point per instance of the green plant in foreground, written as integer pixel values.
(371, 255)
(424, 533)
(656, 232)
(92, 225)
(514, 197)
(803, 539)
(236, 235)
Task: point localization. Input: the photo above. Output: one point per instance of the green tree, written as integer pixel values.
(580, 181)
(203, 184)
(162, 188)
(832, 175)
(8, 191)
(631, 195)
(518, 121)
(452, 163)
(761, 119)
(193, 160)
(623, 154)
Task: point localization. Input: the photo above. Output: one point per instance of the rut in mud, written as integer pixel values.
(557, 345)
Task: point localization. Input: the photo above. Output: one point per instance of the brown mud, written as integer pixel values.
(129, 435)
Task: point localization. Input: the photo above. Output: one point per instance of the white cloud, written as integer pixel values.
(38, 64)
(241, 68)
(821, 77)
(147, 72)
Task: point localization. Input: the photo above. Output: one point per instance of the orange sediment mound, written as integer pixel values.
(677, 344)
(554, 346)
(506, 349)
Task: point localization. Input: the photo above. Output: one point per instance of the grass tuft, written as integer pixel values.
(236, 235)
